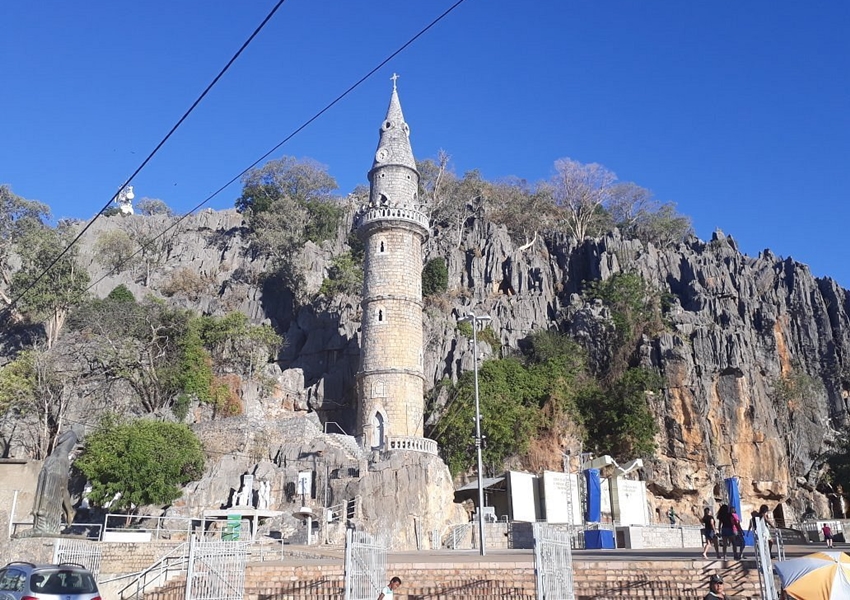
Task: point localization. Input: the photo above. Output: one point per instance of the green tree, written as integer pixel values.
(302, 181)
(510, 399)
(48, 298)
(618, 418)
(638, 214)
(435, 277)
(141, 344)
(120, 293)
(37, 389)
(635, 311)
(523, 209)
(145, 461)
(17, 217)
(345, 276)
(115, 250)
(153, 206)
(236, 345)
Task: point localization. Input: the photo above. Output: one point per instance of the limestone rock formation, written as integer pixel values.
(736, 326)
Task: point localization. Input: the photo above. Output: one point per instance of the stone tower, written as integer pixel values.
(392, 227)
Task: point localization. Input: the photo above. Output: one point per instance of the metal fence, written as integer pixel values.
(553, 562)
(144, 528)
(365, 566)
(765, 564)
(81, 552)
(216, 570)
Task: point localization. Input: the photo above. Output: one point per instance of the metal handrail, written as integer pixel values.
(338, 426)
(164, 568)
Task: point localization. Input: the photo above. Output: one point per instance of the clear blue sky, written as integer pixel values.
(737, 111)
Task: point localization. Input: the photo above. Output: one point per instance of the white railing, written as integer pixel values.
(139, 528)
(415, 444)
(173, 563)
(405, 214)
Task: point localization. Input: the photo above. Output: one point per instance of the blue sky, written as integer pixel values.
(736, 111)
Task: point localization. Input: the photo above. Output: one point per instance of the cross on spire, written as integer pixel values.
(394, 78)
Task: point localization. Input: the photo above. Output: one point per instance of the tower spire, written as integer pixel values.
(394, 142)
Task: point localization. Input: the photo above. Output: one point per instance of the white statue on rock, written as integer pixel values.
(245, 496)
(264, 496)
(125, 200)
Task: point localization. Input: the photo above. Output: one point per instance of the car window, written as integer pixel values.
(68, 582)
(12, 580)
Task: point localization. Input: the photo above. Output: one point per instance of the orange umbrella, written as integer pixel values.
(818, 576)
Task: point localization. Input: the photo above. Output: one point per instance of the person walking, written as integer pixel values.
(715, 589)
(738, 543)
(672, 516)
(388, 593)
(827, 535)
(710, 533)
(727, 529)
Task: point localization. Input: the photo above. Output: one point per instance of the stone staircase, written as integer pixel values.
(455, 575)
(346, 443)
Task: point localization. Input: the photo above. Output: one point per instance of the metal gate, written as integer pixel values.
(553, 562)
(765, 564)
(365, 566)
(216, 570)
(80, 552)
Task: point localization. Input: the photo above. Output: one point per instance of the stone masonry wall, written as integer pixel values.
(390, 378)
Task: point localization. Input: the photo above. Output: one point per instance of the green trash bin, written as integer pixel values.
(232, 529)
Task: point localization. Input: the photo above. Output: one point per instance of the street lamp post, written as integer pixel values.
(475, 320)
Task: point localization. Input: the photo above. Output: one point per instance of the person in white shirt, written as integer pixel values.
(388, 592)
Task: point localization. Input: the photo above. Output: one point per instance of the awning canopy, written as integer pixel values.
(487, 483)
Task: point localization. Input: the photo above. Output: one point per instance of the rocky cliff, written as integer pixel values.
(736, 328)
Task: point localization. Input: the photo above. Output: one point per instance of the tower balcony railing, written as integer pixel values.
(379, 213)
(415, 444)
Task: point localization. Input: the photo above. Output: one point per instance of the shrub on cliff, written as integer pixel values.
(144, 461)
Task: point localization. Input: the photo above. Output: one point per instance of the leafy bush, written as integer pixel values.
(120, 293)
(435, 277)
(186, 282)
(345, 276)
(548, 389)
(145, 461)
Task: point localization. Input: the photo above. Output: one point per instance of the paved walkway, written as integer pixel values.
(331, 555)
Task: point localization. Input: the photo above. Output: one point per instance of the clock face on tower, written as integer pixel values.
(382, 154)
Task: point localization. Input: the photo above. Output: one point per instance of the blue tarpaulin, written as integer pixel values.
(733, 496)
(594, 496)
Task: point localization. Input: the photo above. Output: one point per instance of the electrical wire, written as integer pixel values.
(144, 163)
(282, 142)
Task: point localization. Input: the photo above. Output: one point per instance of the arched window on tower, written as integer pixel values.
(382, 246)
(380, 315)
(378, 430)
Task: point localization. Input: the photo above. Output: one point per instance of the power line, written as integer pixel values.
(284, 140)
(149, 157)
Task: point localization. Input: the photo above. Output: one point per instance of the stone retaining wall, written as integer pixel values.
(495, 580)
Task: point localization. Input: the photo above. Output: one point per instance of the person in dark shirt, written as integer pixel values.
(709, 531)
(715, 589)
(727, 528)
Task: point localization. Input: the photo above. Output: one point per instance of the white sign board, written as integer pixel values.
(305, 484)
(561, 497)
(521, 487)
(628, 501)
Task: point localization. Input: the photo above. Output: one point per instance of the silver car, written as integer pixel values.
(67, 581)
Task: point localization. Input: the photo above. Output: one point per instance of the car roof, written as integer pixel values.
(41, 566)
